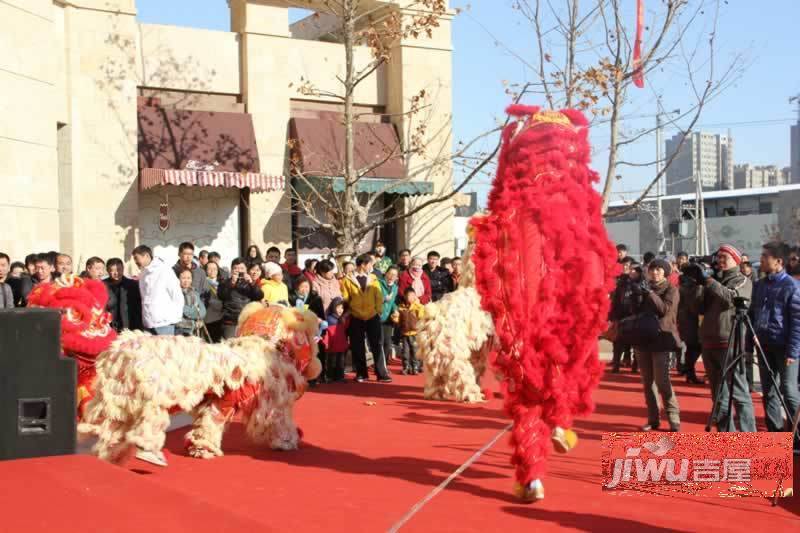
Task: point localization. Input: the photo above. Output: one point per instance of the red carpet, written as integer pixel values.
(364, 467)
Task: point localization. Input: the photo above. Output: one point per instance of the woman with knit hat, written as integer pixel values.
(416, 278)
(661, 299)
(275, 290)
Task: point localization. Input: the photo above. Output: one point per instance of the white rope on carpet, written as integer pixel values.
(435, 492)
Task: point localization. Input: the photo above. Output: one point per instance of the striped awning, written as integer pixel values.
(199, 149)
(255, 181)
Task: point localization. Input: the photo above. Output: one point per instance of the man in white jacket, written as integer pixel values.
(162, 298)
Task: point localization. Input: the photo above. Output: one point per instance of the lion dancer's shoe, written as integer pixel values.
(153, 457)
(564, 440)
(533, 491)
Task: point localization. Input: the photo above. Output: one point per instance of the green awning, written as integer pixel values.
(365, 185)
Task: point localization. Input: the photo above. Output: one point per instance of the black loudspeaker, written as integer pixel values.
(37, 386)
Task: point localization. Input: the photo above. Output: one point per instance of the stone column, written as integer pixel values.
(99, 187)
(416, 65)
(265, 43)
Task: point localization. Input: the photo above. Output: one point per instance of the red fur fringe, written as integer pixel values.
(545, 268)
(85, 332)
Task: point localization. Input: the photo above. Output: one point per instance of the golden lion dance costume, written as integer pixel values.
(85, 325)
(544, 267)
(259, 375)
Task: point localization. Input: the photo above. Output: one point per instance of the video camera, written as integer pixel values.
(710, 260)
(740, 303)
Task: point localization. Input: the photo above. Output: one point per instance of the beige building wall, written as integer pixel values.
(266, 71)
(71, 72)
(188, 59)
(99, 207)
(28, 107)
(417, 65)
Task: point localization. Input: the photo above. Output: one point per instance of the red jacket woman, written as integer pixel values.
(416, 278)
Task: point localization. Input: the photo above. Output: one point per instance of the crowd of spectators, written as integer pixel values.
(371, 305)
(695, 307)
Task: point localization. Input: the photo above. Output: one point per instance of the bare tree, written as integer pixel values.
(343, 211)
(586, 60)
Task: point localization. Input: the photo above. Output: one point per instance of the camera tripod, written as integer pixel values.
(734, 361)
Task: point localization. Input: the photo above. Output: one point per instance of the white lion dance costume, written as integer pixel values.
(543, 270)
(141, 379)
(454, 341)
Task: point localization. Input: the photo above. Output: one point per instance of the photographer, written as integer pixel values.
(235, 293)
(659, 299)
(720, 287)
(775, 314)
(691, 293)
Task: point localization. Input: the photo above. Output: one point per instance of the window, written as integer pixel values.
(765, 208)
(748, 206)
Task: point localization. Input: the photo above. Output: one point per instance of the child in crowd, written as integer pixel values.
(194, 311)
(17, 269)
(335, 340)
(275, 290)
(408, 314)
(305, 299)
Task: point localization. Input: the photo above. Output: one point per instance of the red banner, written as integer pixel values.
(638, 73)
(163, 215)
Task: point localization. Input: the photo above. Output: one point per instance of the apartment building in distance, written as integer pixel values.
(747, 176)
(703, 155)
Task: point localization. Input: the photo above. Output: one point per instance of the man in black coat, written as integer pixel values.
(125, 300)
(624, 303)
(440, 277)
(689, 307)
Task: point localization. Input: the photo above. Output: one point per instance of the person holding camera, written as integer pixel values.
(660, 300)
(691, 297)
(722, 288)
(775, 314)
(235, 293)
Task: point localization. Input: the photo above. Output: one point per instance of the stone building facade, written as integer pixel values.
(77, 73)
(748, 176)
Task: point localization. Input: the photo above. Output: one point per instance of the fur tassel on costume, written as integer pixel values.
(544, 268)
(453, 342)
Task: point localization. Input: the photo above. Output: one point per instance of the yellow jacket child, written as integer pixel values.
(275, 291)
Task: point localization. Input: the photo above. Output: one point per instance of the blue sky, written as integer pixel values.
(766, 32)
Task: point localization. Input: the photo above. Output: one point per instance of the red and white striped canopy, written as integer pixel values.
(257, 182)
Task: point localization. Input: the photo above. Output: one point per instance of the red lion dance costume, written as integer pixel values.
(85, 325)
(544, 269)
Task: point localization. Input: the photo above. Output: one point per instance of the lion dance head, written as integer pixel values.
(85, 324)
(293, 331)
